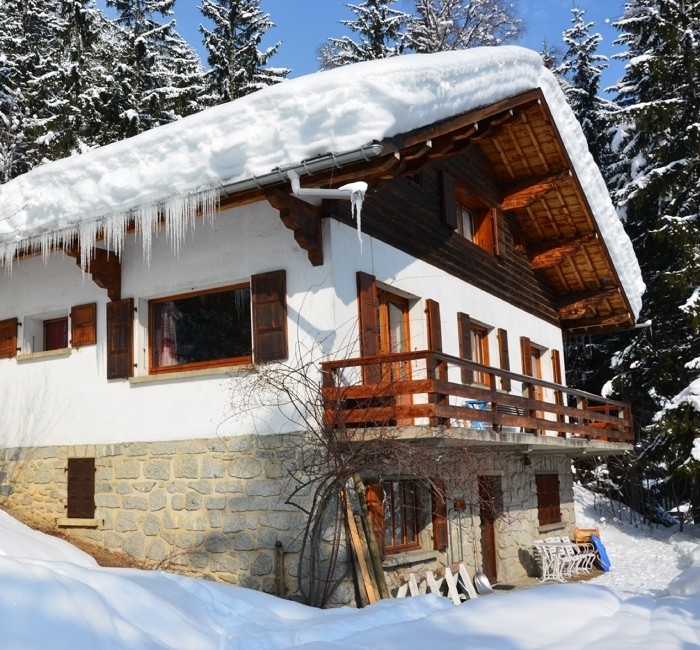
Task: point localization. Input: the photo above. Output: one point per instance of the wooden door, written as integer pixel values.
(490, 498)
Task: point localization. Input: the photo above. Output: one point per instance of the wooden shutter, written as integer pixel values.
(556, 367)
(120, 339)
(81, 488)
(464, 328)
(449, 200)
(504, 357)
(432, 309)
(368, 307)
(8, 338)
(548, 507)
(83, 325)
(526, 354)
(374, 499)
(499, 232)
(440, 531)
(269, 297)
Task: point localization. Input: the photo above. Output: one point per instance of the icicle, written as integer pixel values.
(147, 221)
(357, 197)
(179, 213)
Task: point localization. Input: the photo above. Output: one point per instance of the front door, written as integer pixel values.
(490, 499)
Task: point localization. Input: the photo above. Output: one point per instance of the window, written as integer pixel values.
(474, 346)
(81, 488)
(204, 329)
(474, 224)
(548, 507)
(56, 333)
(201, 329)
(400, 509)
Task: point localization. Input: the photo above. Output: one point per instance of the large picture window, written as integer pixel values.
(204, 329)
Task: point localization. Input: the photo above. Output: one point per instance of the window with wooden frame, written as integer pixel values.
(548, 504)
(400, 509)
(218, 327)
(202, 329)
(472, 216)
(473, 345)
(80, 488)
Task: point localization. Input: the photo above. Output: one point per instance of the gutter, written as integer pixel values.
(293, 172)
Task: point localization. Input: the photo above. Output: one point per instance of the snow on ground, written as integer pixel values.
(53, 596)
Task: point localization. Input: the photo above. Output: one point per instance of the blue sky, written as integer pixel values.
(303, 25)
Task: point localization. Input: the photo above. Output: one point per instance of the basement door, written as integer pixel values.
(490, 498)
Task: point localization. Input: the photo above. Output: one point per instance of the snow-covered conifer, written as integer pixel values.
(237, 65)
(581, 69)
(657, 189)
(458, 24)
(379, 29)
(152, 61)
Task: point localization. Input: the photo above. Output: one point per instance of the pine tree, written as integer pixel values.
(441, 25)
(379, 28)
(656, 180)
(152, 60)
(581, 69)
(237, 66)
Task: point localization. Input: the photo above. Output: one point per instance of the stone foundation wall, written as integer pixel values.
(216, 508)
(212, 507)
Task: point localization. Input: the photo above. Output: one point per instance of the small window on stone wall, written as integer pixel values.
(81, 488)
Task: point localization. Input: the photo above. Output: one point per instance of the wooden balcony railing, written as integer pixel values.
(434, 389)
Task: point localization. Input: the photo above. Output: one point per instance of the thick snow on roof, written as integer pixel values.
(179, 167)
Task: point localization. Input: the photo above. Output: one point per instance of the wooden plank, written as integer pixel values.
(359, 554)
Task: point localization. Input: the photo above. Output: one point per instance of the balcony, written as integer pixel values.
(450, 396)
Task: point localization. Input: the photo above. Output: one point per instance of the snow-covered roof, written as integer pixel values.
(180, 167)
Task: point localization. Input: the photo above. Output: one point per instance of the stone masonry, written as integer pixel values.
(217, 508)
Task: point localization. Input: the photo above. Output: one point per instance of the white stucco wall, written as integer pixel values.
(66, 399)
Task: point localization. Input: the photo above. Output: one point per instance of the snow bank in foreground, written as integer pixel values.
(52, 596)
(335, 111)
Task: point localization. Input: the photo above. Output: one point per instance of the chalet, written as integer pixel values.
(367, 273)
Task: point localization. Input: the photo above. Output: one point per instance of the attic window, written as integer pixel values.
(475, 224)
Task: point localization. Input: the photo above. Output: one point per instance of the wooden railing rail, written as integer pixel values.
(432, 391)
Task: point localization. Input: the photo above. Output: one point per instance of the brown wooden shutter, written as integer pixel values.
(449, 200)
(499, 232)
(432, 309)
(368, 307)
(120, 339)
(440, 531)
(526, 354)
(269, 296)
(8, 338)
(374, 499)
(548, 505)
(83, 327)
(464, 327)
(556, 367)
(504, 356)
(81, 488)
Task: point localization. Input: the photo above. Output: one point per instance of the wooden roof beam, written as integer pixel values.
(584, 304)
(104, 267)
(303, 219)
(591, 325)
(551, 254)
(527, 191)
